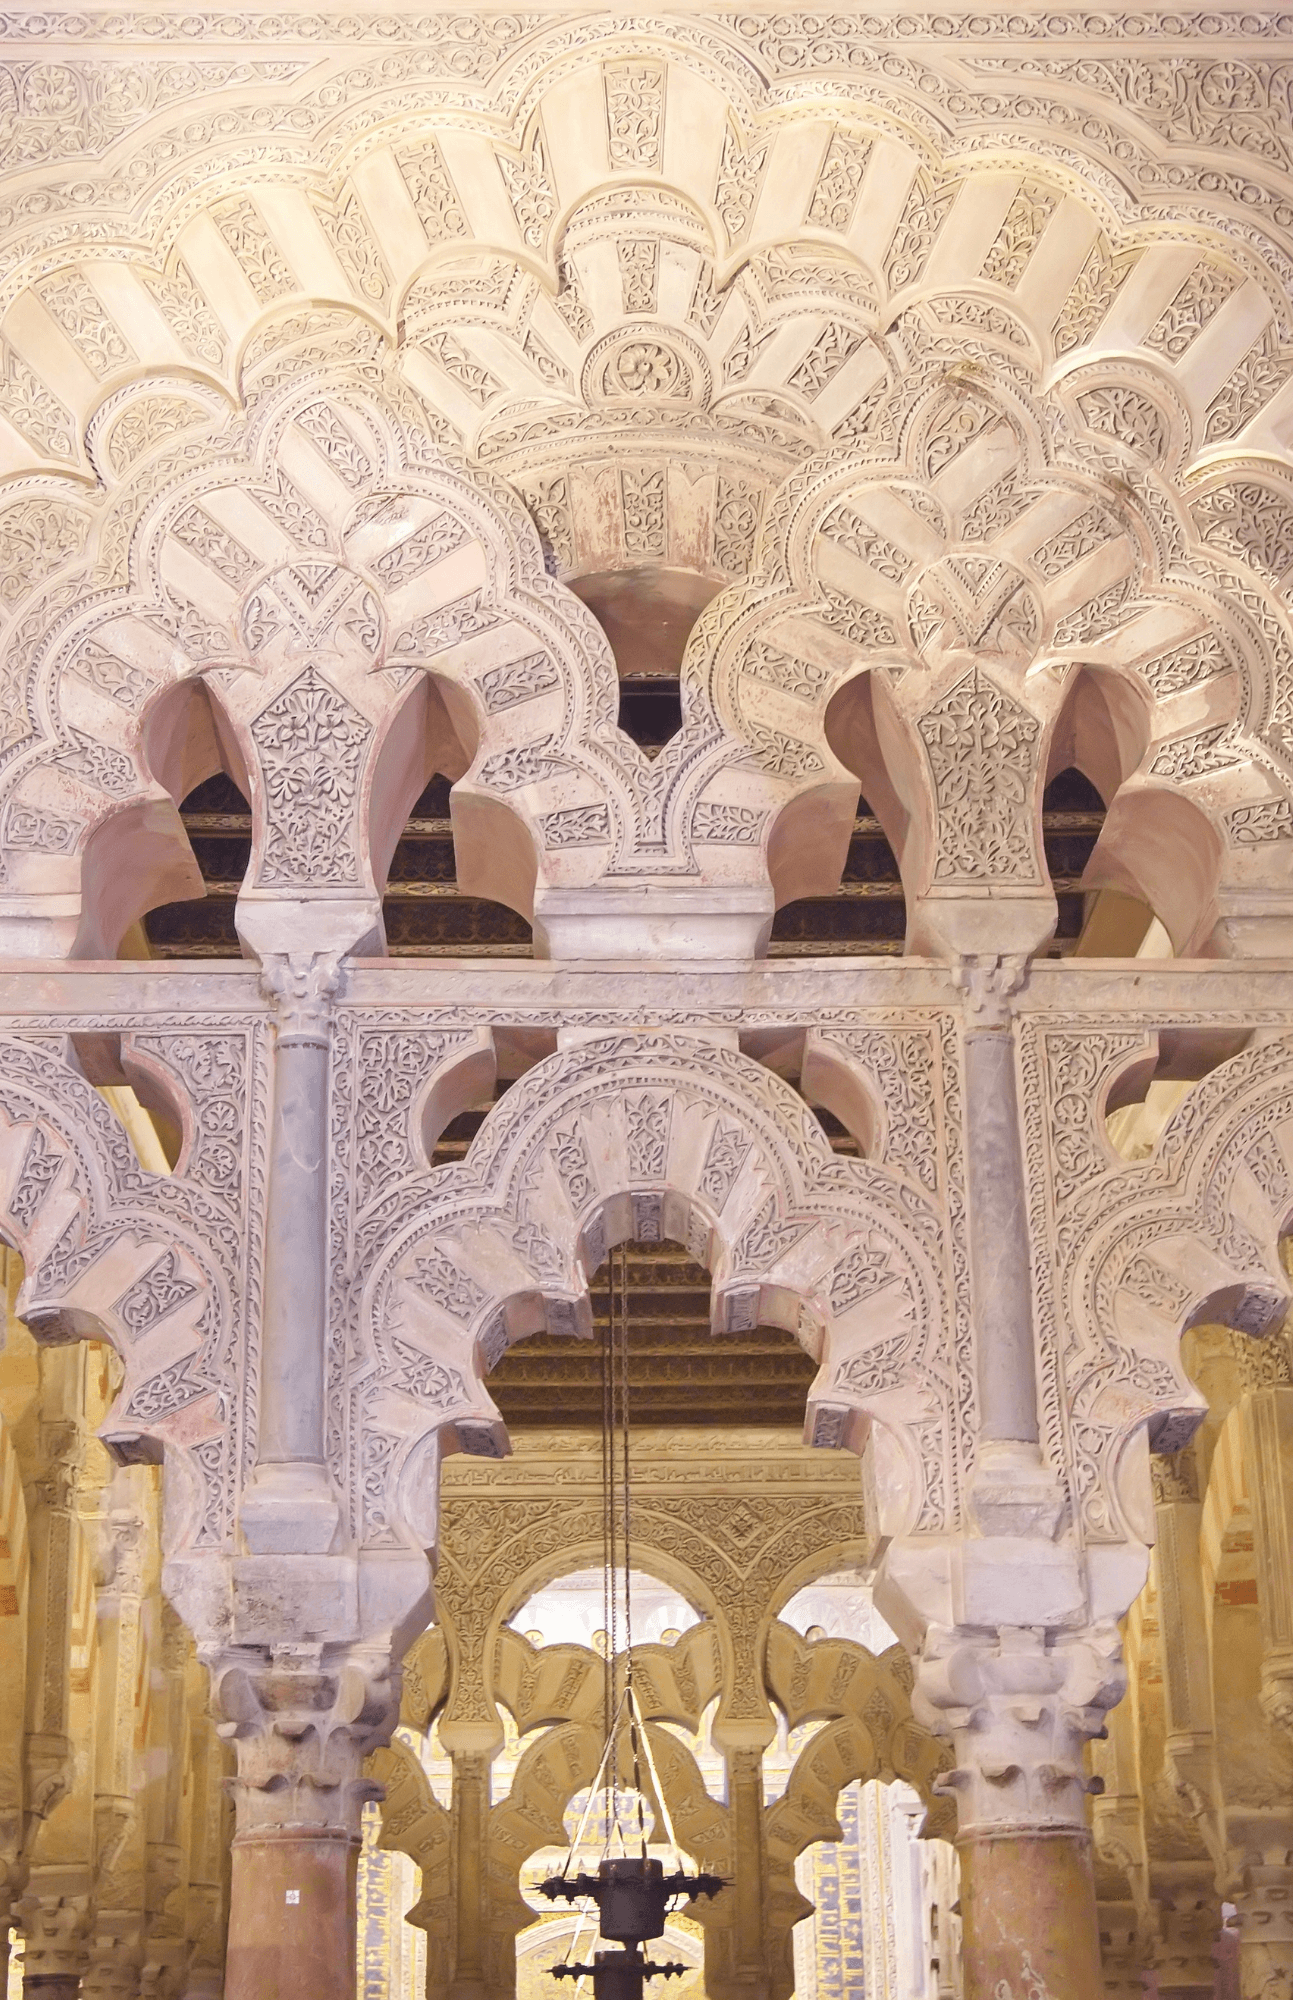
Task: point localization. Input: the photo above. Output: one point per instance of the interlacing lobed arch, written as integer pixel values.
(919, 398)
(944, 395)
(736, 1566)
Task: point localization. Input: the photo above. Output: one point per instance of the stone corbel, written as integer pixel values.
(48, 1759)
(115, 1957)
(1122, 1951)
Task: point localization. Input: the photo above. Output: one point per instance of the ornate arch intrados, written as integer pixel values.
(666, 1134)
(586, 1553)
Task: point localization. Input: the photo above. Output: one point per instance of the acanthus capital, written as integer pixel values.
(301, 987)
(302, 1721)
(1020, 1705)
(989, 982)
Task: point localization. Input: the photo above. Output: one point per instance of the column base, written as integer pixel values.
(1028, 1913)
(52, 1985)
(292, 1915)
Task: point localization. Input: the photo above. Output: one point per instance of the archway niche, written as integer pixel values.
(648, 612)
(1150, 876)
(144, 885)
(425, 844)
(866, 913)
(677, 1367)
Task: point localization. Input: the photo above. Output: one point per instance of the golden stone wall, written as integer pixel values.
(1197, 1814)
(114, 1827)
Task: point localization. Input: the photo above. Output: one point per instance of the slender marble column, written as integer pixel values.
(302, 1713)
(1022, 1678)
(289, 1507)
(1000, 1256)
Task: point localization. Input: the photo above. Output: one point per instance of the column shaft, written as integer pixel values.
(745, 1768)
(471, 1799)
(292, 1365)
(292, 1924)
(1000, 1260)
(1028, 1915)
(289, 1508)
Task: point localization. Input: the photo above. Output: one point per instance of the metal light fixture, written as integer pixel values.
(631, 1892)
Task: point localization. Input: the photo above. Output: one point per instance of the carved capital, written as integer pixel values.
(1175, 1478)
(302, 986)
(62, 1460)
(989, 984)
(55, 1923)
(1185, 1911)
(1020, 1706)
(302, 1720)
(122, 1553)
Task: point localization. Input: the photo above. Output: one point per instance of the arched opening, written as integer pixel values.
(679, 1373)
(1073, 814)
(216, 818)
(425, 844)
(647, 612)
(190, 748)
(866, 914)
(425, 913)
(880, 1863)
(1149, 872)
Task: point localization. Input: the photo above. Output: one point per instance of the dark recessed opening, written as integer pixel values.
(217, 819)
(679, 1372)
(425, 914)
(866, 914)
(651, 712)
(1072, 816)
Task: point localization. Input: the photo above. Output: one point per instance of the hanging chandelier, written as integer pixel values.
(631, 1892)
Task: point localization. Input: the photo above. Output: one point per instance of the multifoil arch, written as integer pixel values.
(666, 1134)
